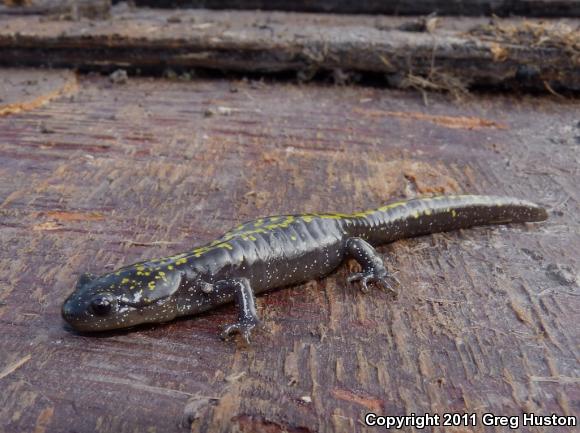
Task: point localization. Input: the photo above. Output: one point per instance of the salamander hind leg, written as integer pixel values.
(247, 316)
(373, 268)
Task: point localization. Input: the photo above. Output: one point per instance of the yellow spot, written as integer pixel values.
(293, 237)
(307, 218)
(181, 261)
(226, 245)
(199, 251)
(139, 273)
(161, 273)
(125, 280)
(170, 267)
(157, 277)
(131, 288)
(252, 238)
(259, 222)
(453, 213)
(147, 273)
(415, 214)
(427, 212)
(274, 219)
(118, 273)
(392, 205)
(334, 216)
(140, 268)
(151, 285)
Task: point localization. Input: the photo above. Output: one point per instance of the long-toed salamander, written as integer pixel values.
(273, 252)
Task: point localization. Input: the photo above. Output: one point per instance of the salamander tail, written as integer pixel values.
(422, 216)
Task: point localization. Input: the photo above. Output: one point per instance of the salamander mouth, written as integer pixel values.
(91, 323)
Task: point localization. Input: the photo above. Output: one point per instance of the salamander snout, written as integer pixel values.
(84, 314)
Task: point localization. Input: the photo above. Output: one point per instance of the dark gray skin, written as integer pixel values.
(273, 252)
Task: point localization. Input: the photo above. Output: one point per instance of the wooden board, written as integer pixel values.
(486, 320)
(430, 53)
(536, 8)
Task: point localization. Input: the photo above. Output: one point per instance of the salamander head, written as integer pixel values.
(122, 299)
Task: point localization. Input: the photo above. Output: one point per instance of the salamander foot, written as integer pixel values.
(247, 316)
(373, 268)
(380, 277)
(243, 328)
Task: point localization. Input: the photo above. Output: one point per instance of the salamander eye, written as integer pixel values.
(102, 305)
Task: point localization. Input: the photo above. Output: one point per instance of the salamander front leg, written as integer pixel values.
(373, 268)
(247, 316)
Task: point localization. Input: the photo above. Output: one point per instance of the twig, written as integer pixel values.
(14, 366)
(147, 244)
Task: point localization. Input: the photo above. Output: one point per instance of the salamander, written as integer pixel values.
(273, 252)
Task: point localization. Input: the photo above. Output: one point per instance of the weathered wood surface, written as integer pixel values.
(69, 9)
(486, 320)
(535, 8)
(448, 53)
(32, 88)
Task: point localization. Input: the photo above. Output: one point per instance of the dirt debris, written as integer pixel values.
(535, 34)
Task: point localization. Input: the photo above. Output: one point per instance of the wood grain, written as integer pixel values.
(486, 319)
(28, 89)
